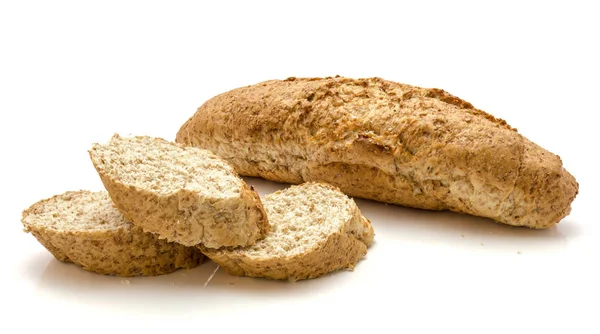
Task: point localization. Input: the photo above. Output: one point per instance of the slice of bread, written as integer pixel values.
(85, 228)
(182, 194)
(315, 229)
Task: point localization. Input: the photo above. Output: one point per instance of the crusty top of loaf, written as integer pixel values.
(394, 127)
(365, 100)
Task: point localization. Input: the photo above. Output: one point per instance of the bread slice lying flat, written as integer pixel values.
(186, 195)
(85, 228)
(315, 229)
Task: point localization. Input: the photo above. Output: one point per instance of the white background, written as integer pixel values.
(74, 73)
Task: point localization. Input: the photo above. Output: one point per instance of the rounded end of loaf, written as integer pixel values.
(181, 137)
(184, 135)
(543, 192)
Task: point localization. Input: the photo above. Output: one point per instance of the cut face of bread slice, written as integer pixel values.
(186, 195)
(85, 228)
(315, 229)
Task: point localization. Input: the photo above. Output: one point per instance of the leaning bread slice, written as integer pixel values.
(85, 228)
(183, 194)
(315, 229)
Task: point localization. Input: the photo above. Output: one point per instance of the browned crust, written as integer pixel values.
(385, 141)
(188, 217)
(342, 249)
(126, 251)
(339, 251)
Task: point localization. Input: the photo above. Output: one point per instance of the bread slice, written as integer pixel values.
(315, 229)
(85, 228)
(183, 194)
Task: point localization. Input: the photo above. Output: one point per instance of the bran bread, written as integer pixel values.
(85, 228)
(315, 229)
(182, 194)
(385, 141)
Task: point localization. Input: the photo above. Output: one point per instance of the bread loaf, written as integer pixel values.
(182, 194)
(315, 229)
(85, 228)
(385, 141)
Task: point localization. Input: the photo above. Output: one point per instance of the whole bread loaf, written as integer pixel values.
(388, 142)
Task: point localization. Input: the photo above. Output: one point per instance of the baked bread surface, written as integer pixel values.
(182, 194)
(315, 229)
(85, 228)
(385, 141)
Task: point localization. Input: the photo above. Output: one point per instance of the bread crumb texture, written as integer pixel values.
(183, 194)
(385, 141)
(85, 228)
(315, 229)
(166, 168)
